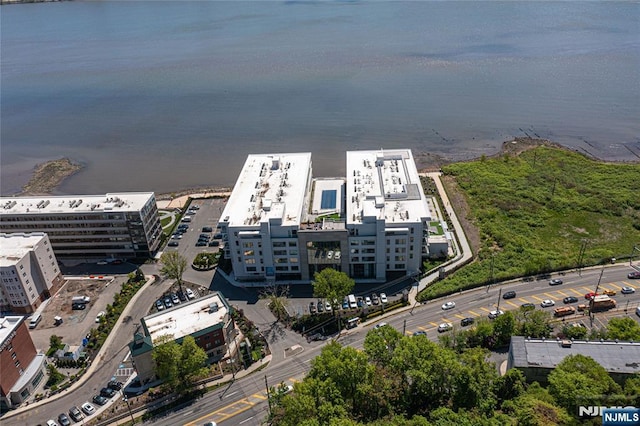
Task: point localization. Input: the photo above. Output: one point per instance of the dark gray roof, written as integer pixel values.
(615, 357)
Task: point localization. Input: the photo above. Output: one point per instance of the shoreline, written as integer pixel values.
(46, 177)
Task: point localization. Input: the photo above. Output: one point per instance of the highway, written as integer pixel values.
(245, 401)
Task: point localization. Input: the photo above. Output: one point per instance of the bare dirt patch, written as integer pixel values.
(60, 304)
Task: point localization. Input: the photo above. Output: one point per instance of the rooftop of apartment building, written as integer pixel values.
(384, 184)
(187, 318)
(8, 325)
(270, 186)
(117, 202)
(15, 246)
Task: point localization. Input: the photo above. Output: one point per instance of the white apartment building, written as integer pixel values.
(280, 224)
(88, 226)
(29, 272)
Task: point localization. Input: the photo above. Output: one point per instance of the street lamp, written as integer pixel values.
(126, 400)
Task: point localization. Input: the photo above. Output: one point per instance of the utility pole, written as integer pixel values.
(126, 400)
(491, 279)
(594, 296)
(499, 297)
(583, 246)
(268, 394)
(404, 327)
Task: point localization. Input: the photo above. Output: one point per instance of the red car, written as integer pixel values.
(590, 296)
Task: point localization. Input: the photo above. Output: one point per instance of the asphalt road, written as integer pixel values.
(244, 401)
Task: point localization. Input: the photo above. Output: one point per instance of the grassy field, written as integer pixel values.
(537, 210)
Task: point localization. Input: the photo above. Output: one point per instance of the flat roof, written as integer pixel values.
(270, 186)
(615, 357)
(186, 318)
(15, 246)
(118, 202)
(384, 184)
(8, 325)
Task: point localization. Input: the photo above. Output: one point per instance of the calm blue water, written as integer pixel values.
(167, 95)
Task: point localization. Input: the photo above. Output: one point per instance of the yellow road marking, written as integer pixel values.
(433, 324)
(551, 296)
(513, 304)
(587, 289)
(460, 316)
(523, 300)
(485, 309)
(222, 413)
(563, 295)
(474, 314)
(537, 298)
(616, 286)
(576, 292)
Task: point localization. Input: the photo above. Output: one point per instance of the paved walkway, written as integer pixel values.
(180, 202)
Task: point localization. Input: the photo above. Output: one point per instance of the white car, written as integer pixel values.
(628, 290)
(327, 306)
(379, 325)
(102, 262)
(445, 326)
(448, 305)
(190, 294)
(383, 298)
(337, 255)
(547, 303)
(88, 408)
(51, 423)
(367, 301)
(330, 254)
(100, 315)
(495, 313)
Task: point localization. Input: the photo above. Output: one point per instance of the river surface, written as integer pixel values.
(161, 96)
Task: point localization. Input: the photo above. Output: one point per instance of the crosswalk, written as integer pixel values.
(556, 295)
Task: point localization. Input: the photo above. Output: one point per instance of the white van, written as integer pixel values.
(186, 219)
(35, 320)
(638, 311)
(352, 301)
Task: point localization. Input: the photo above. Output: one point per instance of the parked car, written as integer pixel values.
(509, 294)
(181, 296)
(167, 302)
(99, 316)
(312, 308)
(78, 306)
(383, 298)
(201, 243)
(327, 306)
(467, 321)
(194, 207)
(367, 301)
(107, 392)
(214, 243)
(88, 409)
(115, 385)
(173, 243)
(320, 306)
(190, 294)
(374, 299)
(52, 423)
(345, 304)
(159, 305)
(495, 313)
(207, 229)
(628, 290)
(63, 419)
(609, 292)
(379, 325)
(75, 414)
(174, 298)
(555, 281)
(633, 275)
(569, 299)
(217, 236)
(448, 305)
(360, 302)
(527, 306)
(100, 400)
(547, 303)
(445, 326)
(420, 333)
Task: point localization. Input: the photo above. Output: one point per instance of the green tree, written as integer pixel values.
(578, 376)
(55, 376)
(173, 266)
(503, 328)
(623, 329)
(179, 365)
(380, 343)
(574, 331)
(511, 385)
(55, 342)
(536, 323)
(332, 285)
(277, 301)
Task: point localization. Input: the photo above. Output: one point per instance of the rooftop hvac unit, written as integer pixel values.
(213, 307)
